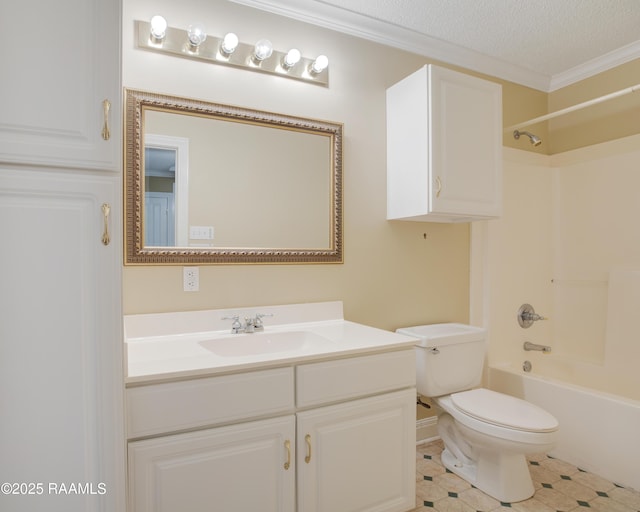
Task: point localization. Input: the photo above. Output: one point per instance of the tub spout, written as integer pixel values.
(534, 346)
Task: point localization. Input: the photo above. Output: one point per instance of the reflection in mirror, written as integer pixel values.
(159, 196)
(166, 196)
(209, 183)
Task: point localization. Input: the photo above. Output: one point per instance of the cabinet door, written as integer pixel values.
(466, 144)
(61, 373)
(240, 467)
(444, 147)
(358, 456)
(60, 61)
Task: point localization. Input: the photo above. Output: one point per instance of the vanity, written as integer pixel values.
(311, 413)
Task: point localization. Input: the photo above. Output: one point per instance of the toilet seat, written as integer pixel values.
(503, 410)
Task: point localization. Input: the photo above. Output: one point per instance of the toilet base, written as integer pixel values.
(503, 476)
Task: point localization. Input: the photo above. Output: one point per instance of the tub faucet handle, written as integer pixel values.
(527, 315)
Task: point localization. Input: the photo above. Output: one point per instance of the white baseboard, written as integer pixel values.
(427, 430)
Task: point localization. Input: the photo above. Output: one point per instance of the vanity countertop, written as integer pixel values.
(171, 346)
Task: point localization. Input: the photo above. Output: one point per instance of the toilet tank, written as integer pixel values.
(449, 357)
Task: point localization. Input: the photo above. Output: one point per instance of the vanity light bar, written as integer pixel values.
(176, 42)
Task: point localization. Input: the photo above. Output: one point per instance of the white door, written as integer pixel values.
(159, 219)
(358, 456)
(61, 377)
(236, 468)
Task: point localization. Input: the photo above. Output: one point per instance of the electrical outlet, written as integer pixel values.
(191, 279)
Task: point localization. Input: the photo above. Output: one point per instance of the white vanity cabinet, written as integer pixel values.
(346, 444)
(241, 467)
(444, 147)
(60, 62)
(358, 455)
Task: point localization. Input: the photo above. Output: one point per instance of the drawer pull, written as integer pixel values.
(287, 446)
(106, 238)
(106, 133)
(307, 440)
(439, 183)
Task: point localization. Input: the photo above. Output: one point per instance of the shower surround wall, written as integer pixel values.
(568, 244)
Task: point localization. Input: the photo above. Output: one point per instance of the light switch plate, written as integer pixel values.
(201, 232)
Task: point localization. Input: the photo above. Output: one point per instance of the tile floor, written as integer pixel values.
(560, 487)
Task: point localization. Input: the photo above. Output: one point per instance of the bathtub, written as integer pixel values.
(599, 432)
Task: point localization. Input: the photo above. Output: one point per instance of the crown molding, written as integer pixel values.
(365, 27)
(358, 25)
(593, 67)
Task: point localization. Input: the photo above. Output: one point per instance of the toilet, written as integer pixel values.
(486, 434)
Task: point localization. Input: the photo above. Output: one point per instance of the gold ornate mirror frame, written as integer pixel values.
(136, 253)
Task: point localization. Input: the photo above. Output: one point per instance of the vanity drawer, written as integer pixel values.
(342, 379)
(174, 406)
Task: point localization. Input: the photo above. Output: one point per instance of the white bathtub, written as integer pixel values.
(599, 432)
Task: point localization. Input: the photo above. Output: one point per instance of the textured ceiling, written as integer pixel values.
(544, 44)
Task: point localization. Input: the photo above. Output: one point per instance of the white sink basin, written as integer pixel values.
(239, 345)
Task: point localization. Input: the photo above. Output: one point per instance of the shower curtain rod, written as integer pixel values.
(579, 106)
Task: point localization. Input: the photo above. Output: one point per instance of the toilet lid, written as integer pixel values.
(504, 410)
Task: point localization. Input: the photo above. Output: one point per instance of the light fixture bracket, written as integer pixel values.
(176, 42)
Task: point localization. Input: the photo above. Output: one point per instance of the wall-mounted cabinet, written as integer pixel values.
(444, 147)
(59, 64)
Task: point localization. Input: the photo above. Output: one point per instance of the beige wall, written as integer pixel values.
(607, 121)
(394, 273)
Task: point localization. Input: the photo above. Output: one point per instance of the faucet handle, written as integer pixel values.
(257, 322)
(236, 326)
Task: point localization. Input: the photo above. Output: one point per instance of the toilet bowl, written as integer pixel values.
(487, 435)
(487, 442)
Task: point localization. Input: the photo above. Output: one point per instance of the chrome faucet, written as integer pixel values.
(251, 325)
(534, 346)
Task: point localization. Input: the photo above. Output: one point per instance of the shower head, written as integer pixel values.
(536, 141)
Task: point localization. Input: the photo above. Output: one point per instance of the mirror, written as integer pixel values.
(211, 183)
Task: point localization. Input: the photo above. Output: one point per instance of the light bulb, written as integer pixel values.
(229, 43)
(262, 50)
(319, 65)
(196, 34)
(158, 28)
(291, 58)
